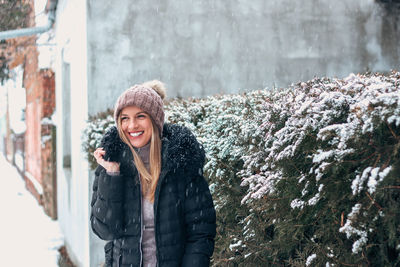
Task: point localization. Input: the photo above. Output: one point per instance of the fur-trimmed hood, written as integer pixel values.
(180, 149)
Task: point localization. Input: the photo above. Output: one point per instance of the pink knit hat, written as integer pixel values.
(148, 97)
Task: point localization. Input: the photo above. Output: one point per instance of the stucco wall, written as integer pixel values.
(206, 47)
(71, 114)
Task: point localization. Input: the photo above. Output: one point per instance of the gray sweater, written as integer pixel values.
(148, 234)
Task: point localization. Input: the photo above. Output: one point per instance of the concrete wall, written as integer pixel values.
(206, 47)
(72, 167)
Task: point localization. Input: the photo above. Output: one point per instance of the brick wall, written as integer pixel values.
(40, 136)
(33, 118)
(48, 85)
(48, 144)
(40, 153)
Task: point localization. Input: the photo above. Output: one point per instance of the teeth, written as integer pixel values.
(136, 134)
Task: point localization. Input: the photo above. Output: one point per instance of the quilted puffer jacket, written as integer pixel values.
(184, 214)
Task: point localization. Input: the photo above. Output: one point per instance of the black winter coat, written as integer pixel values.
(185, 223)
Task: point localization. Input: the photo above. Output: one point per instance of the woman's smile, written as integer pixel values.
(136, 134)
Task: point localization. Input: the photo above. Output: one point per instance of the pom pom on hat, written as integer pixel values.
(157, 86)
(148, 97)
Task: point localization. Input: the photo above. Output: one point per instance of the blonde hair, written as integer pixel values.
(148, 180)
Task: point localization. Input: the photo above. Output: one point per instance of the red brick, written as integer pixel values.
(40, 103)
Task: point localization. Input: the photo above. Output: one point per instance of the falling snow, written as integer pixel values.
(268, 128)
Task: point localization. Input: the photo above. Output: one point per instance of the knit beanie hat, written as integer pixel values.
(148, 97)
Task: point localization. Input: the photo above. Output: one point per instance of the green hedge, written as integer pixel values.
(303, 176)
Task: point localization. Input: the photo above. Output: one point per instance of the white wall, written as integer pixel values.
(72, 183)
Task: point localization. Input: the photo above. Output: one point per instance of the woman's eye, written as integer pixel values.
(141, 116)
(124, 118)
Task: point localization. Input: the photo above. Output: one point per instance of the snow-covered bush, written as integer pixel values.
(228, 128)
(331, 147)
(307, 175)
(94, 131)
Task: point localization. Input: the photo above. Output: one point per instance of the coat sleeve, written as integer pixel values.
(200, 223)
(106, 215)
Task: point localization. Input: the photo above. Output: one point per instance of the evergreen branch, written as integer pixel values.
(384, 166)
(294, 165)
(373, 201)
(274, 199)
(390, 187)
(227, 166)
(377, 160)
(301, 225)
(360, 160)
(363, 254)
(342, 219)
(392, 132)
(346, 264)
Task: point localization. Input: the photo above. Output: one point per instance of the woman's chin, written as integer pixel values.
(137, 142)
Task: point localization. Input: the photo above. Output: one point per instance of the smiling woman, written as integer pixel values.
(150, 199)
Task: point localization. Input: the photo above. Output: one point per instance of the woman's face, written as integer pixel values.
(136, 125)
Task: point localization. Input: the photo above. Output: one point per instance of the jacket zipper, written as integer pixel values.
(119, 259)
(155, 231)
(141, 220)
(155, 208)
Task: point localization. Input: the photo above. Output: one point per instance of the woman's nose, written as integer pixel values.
(132, 125)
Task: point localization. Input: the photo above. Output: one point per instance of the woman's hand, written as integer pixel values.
(109, 166)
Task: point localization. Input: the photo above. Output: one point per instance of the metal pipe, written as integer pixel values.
(31, 31)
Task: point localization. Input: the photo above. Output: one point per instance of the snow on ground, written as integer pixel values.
(28, 236)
